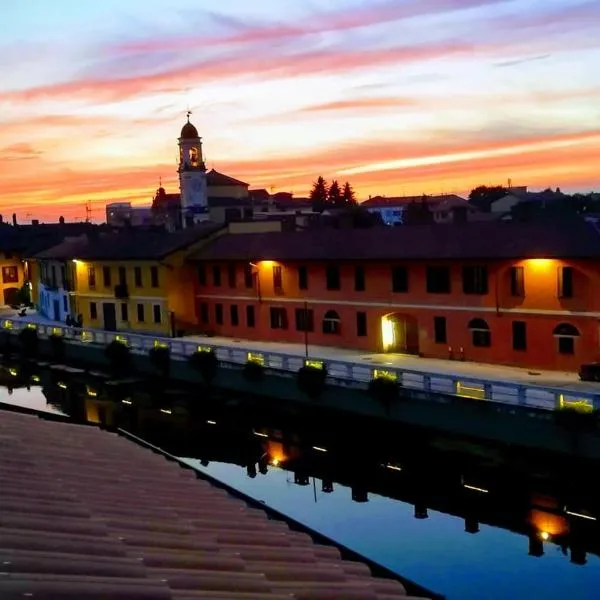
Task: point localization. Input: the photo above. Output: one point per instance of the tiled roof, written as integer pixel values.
(215, 178)
(88, 514)
(481, 240)
(129, 245)
(384, 201)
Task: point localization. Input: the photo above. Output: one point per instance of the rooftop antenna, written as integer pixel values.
(88, 211)
(509, 183)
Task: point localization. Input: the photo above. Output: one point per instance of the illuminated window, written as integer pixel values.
(277, 279)
(10, 274)
(481, 336)
(194, 157)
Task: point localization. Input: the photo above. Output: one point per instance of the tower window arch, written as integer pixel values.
(566, 334)
(194, 156)
(481, 336)
(331, 323)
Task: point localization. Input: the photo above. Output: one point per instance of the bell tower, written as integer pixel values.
(192, 176)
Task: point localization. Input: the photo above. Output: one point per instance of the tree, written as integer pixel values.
(483, 196)
(335, 195)
(348, 195)
(319, 195)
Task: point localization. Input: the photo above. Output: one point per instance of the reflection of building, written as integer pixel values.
(497, 292)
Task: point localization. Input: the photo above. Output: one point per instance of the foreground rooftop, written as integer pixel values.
(86, 513)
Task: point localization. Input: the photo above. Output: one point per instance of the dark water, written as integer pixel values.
(328, 466)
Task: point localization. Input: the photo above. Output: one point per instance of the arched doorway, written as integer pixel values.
(566, 334)
(11, 296)
(400, 334)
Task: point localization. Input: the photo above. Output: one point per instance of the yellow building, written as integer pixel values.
(12, 277)
(127, 281)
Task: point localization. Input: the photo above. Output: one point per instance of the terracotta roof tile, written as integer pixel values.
(480, 240)
(86, 514)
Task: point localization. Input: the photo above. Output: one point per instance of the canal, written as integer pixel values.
(463, 518)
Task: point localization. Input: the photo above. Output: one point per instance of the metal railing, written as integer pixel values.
(343, 373)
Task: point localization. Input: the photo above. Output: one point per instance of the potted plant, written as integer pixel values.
(311, 380)
(160, 359)
(384, 390)
(119, 357)
(205, 362)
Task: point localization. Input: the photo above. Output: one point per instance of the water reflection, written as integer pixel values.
(467, 519)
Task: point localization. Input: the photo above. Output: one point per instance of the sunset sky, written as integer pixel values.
(397, 96)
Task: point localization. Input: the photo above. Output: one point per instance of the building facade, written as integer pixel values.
(55, 289)
(12, 278)
(530, 301)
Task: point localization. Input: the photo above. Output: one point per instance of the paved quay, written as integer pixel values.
(88, 514)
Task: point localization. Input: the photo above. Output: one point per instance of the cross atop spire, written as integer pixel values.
(188, 115)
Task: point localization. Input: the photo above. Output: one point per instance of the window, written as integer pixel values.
(10, 274)
(481, 336)
(216, 273)
(137, 276)
(248, 277)
(91, 278)
(202, 275)
(305, 320)
(65, 304)
(250, 318)
(231, 275)
(124, 312)
(475, 280)
(332, 275)
(204, 313)
(277, 279)
(439, 330)
(154, 277)
(361, 324)
(566, 334)
(519, 335)
(565, 282)
(93, 311)
(106, 276)
(438, 280)
(399, 279)
(219, 314)
(303, 278)
(278, 318)
(157, 313)
(234, 315)
(517, 282)
(140, 313)
(122, 276)
(331, 323)
(359, 279)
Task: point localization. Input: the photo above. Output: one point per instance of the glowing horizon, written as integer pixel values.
(400, 97)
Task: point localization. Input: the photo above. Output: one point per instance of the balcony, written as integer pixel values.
(121, 291)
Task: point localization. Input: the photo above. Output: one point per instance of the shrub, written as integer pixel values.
(160, 359)
(206, 363)
(311, 381)
(253, 371)
(575, 420)
(384, 390)
(57, 347)
(29, 341)
(119, 357)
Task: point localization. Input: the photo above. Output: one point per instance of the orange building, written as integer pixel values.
(519, 294)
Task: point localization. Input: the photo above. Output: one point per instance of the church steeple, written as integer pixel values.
(192, 175)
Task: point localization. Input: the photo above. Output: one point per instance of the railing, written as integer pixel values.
(343, 373)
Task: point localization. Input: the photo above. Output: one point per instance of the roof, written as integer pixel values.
(481, 240)
(73, 532)
(129, 245)
(384, 201)
(219, 202)
(188, 132)
(215, 178)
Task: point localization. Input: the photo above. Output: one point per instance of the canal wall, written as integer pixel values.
(479, 419)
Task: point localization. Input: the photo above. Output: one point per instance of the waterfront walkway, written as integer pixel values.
(87, 514)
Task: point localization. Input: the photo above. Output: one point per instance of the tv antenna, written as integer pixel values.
(88, 211)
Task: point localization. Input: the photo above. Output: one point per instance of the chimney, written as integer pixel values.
(14, 219)
(1, 219)
(35, 221)
(61, 220)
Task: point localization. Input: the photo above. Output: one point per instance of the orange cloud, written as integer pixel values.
(358, 104)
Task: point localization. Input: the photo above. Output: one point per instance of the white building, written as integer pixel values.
(122, 214)
(56, 285)
(192, 177)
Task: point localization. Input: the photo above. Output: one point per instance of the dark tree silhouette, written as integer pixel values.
(319, 195)
(483, 196)
(335, 195)
(348, 195)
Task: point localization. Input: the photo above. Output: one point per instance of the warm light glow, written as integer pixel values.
(275, 462)
(35, 378)
(382, 374)
(548, 524)
(266, 263)
(545, 535)
(126, 401)
(211, 422)
(256, 357)
(387, 333)
(121, 339)
(76, 261)
(91, 393)
(315, 364)
(166, 411)
(473, 391)
(580, 404)
(13, 372)
(62, 385)
(540, 264)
